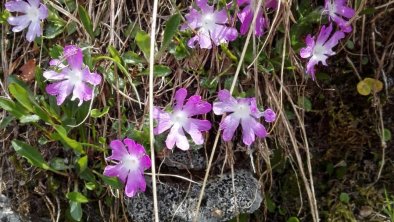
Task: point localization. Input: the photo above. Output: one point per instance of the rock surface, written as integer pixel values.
(6, 213)
(219, 203)
(192, 159)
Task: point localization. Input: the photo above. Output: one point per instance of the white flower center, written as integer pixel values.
(242, 111)
(131, 162)
(208, 22)
(332, 9)
(32, 13)
(319, 51)
(179, 117)
(75, 76)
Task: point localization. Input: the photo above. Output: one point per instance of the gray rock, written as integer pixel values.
(219, 202)
(192, 159)
(6, 213)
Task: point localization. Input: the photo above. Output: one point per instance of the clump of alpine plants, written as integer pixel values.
(209, 25)
(31, 12)
(182, 118)
(246, 14)
(242, 111)
(320, 49)
(339, 12)
(130, 161)
(71, 78)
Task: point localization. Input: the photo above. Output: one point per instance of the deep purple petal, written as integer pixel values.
(195, 106)
(42, 12)
(17, 6)
(134, 148)
(83, 92)
(60, 89)
(135, 183)
(325, 32)
(269, 115)
(229, 125)
(118, 150)
(177, 137)
(33, 31)
(52, 75)
(241, 2)
(145, 162)
(245, 17)
(180, 96)
(92, 78)
(74, 56)
(260, 24)
(163, 120)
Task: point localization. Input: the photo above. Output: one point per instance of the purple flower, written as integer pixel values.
(244, 111)
(131, 162)
(273, 4)
(320, 50)
(246, 17)
(209, 25)
(74, 78)
(338, 11)
(33, 12)
(181, 119)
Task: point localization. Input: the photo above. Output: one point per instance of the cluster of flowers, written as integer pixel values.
(319, 50)
(69, 75)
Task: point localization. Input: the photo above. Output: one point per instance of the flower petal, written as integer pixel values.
(248, 136)
(193, 131)
(307, 51)
(229, 125)
(245, 17)
(220, 17)
(260, 24)
(33, 31)
(116, 171)
(20, 22)
(193, 20)
(227, 103)
(325, 32)
(42, 12)
(145, 162)
(118, 150)
(52, 75)
(82, 92)
(135, 183)
(34, 3)
(163, 120)
(134, 148)
(202, 125)
(202, 39)
(177, 136)
(333, 41)
(241, 2)
(60, 89)
(57, 63)
(17, 6)
(223, 34)
(203, 5)
(269, 115)
(74, 56)
(195, 106)
(92, 78)
(180, 96)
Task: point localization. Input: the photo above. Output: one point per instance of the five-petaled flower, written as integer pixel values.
(244, 111)
(181, 119)
(320, 50)
(33, 12)
(73, 78)
(131, 162)
(246, 16)
(210, 26)
(338, 11)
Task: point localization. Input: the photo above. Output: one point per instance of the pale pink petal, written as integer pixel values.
(116, 171)
(248, 136)
(202, 125)
(310, 67)
(226, 104)
(118, 150)
(333, 41)
(223, 34)
(17, 6)
(203, 5)
(135, 183)
(180, 96)
(195, 106)
(92, 78)
(195, 133)
(33, 31)
(229, 125)
(74, 56)
(193, 19)
(163, 120)
(20, 22)
(82, 92)
(52, 75)
(203, 40)
(57, 63)
(60, 89)
(177, 137)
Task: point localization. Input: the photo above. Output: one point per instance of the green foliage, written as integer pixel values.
(170, 30)
(158, 71)
(31, 154)
(86, 21)
(143, 42)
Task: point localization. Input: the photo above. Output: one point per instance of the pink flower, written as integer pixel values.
(181, 119)
(74, 78)
(246, 17)
(320, 50)
(131, 162)
(210, 26)
(33, 12)
(338, 11)
(244, 111)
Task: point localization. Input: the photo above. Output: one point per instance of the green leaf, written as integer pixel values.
(21, 95)
(58, 164)
(293, 219)
(304, 103)
(90, 185)
(30, 153)
(112, 181)
(4, 16)
(77, 197)
(170, 30)
(10, 106)
(61, 135)
(143, 43)
(29, 119)
(386, 135)
(56, 51)
(132, 58)
(5, 121)
(82, 163)
(158, 71)
(114, 54)
(95, 113)
(86, 21)
(344, 198)
(76, 210)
